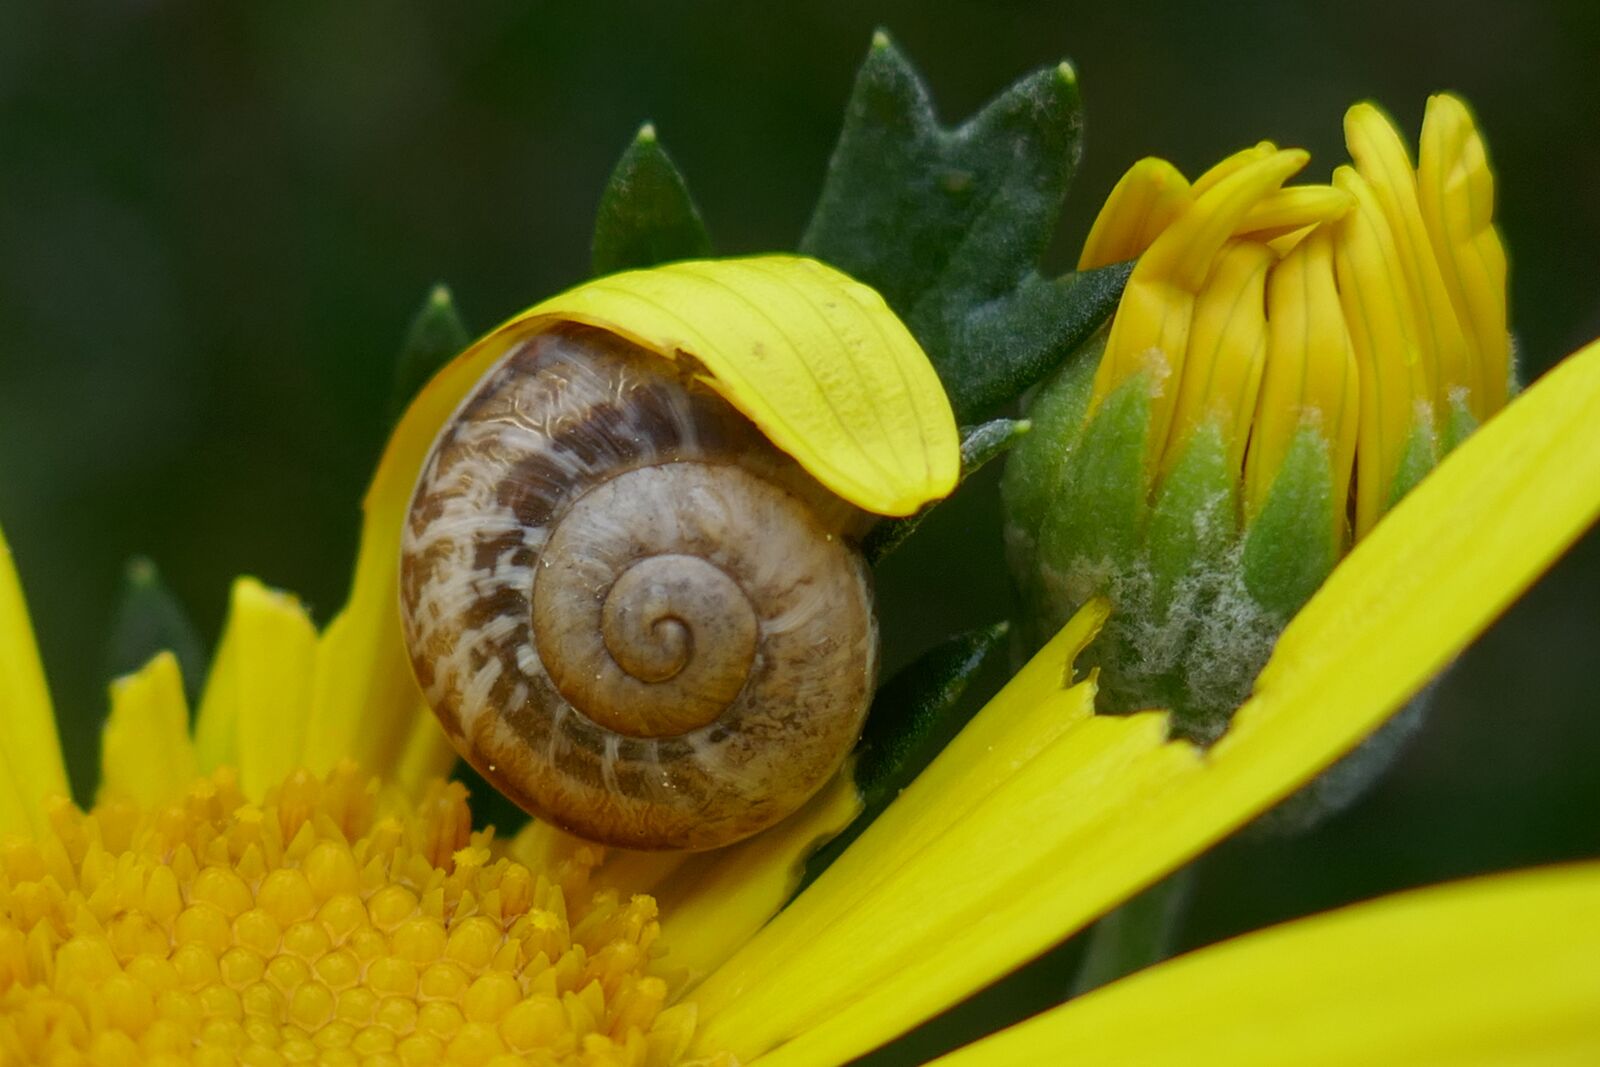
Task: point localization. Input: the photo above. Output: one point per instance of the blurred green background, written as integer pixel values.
(216, 221)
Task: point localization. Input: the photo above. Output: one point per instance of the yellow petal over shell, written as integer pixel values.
(815, 359)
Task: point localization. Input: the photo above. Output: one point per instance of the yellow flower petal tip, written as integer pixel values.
(814, 358)
(31, 766)
(1142, 204)
(146, 754)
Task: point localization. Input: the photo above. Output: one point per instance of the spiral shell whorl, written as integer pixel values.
(633, 615)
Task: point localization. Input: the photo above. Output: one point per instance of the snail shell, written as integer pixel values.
(633, 615)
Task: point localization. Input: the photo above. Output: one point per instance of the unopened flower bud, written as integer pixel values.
(1286, 362)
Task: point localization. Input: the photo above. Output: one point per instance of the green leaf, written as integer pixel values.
(949, 224)
(913, 716)
(150, 619)
(979, 444)
(646, 214)
(435, 336)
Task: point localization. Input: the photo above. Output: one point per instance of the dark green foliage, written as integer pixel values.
(149, 620)
(979, 444)
(646, 214)
(949, 225)
(435, 336)
(913, 716)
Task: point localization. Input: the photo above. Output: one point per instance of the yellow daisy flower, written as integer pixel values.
(293, 881)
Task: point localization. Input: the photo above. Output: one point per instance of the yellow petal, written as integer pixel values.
(1382, 160)
(257, 701)
(715, 901)
(813, 358)
(31, 767)
(1310, 376)
(916, 916)
(1295, 208)
(1227, 349)
(1394, 383)
(1143, 203)
(1495, 970)
(1150, 332)
(145, 751)
(1230, 165)
(1456, 191)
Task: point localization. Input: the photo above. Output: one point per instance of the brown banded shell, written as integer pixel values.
(633, 615)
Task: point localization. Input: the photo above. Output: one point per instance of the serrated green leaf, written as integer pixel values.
(913, 716)
(949, 224)
(979, 445)
(150, 619)
(434, 337)
(646, 214)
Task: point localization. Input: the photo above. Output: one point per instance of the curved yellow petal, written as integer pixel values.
(812, 357)
(1381, 159)
(1456, 190)
(1395, 389)
(1229, 165)
(1144, 202)
(1497, 970)
(31, 766)
(1294, 208)
(964, 879)
(146, 754)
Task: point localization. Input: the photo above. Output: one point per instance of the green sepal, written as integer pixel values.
(1097, 519)
(1036, 467)
(949, 225)
(150, 619)
(1196, 514)
(1459, 422)
(1291, 546)
(1138, 934)
(913, 716)
(435, 336)
(1420, 455)
(646, 214)
(979, 445)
